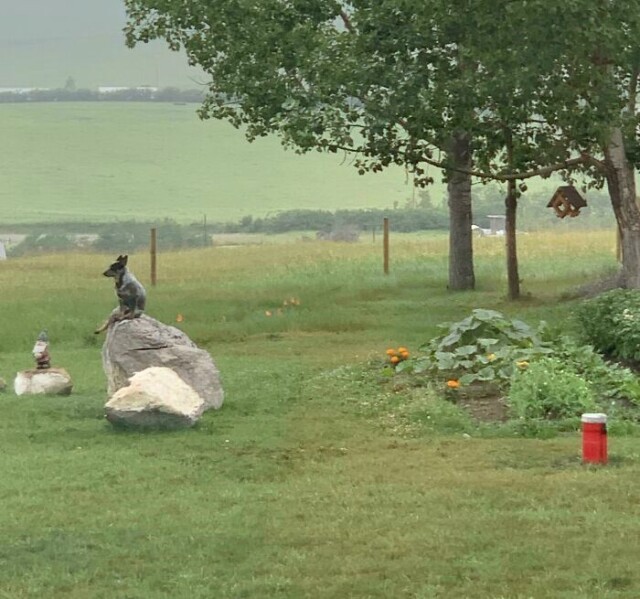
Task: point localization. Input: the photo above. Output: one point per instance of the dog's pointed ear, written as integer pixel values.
(125, 259)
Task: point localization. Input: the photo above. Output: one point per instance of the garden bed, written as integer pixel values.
(484, 402)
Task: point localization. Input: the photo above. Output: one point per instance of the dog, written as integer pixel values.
(132, 296)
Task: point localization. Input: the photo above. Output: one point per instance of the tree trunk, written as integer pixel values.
(622, 192)
(511, 207)
(461, 275)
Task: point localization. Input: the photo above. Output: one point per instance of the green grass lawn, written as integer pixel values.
(305, 483)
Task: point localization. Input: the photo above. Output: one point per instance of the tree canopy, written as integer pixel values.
(392, 79)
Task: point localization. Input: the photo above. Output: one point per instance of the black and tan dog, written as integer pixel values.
(131, 294)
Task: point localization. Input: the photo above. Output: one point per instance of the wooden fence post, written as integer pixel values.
(153, 257)
(385, 244)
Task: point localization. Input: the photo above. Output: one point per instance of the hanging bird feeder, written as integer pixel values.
(567, 201)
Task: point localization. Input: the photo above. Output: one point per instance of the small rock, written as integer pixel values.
(155, 398)
(51, 381)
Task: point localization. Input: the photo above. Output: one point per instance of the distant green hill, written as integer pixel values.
(105, 161)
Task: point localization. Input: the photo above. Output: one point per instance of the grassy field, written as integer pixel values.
(110, 161)
(313, 480)
(146, 161)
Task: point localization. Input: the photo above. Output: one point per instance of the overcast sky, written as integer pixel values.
(44, 19)
(42, 42)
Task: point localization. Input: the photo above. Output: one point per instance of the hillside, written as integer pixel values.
(101, 162)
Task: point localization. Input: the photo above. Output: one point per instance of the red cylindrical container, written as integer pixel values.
(594, 438)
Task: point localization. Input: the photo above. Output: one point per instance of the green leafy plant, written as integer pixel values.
(485, 346)
(610, 381)
(549, 389)
(611, 323)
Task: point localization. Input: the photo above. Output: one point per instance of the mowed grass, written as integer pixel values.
(293, 489)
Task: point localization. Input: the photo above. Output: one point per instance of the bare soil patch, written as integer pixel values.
(484, 402)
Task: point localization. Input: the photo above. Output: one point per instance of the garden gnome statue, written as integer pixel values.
(43, 379)
(41, 351)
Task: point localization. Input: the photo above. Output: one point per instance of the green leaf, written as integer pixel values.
(420, 365)
(505, 372)
(487, 374)
(450, 339)
(467, 324)
(466, 350)
(445, 360)
(404, 366)
(523, 327)
(487, 342)
(487, 315)
(467, 379)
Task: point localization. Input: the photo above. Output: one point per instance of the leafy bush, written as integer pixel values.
(486, 346)
(611, 323)
(43, 243)
(402, 220)
(549, 389)
(610, 381)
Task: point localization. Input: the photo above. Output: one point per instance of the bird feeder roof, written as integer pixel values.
(568, 193)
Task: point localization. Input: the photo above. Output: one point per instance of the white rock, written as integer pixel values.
(52, 381)
(155, 398)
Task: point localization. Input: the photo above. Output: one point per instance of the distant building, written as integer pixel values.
(496, 226)
(496, 223)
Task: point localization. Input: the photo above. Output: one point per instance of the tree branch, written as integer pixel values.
(347, 21)
(571, 163)
(539, 172)
(583, 159)
(633, 91)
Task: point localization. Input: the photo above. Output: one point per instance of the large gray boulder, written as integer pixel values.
(155, 398)
(134, 345)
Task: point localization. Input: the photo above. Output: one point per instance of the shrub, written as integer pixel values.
(608, 380)
(549, 389)
(611, 323)
(402, 220)
(43, 244)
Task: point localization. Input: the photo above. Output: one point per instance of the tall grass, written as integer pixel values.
(292, 489)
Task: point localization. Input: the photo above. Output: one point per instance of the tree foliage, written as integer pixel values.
(392, 80)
